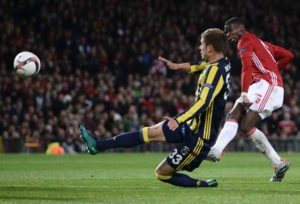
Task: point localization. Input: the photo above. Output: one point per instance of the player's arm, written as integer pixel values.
(187, 67)
(245, 49)
(212, 86)
(281, 55)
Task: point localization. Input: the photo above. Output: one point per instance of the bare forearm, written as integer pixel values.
(183, 66)
(176, 66)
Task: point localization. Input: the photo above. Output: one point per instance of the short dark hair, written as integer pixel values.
(216, 38)
(234, 20)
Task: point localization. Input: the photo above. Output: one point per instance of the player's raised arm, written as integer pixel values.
(187, 67)
(176, 66)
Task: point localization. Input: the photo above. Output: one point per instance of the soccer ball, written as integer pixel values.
(27, 64)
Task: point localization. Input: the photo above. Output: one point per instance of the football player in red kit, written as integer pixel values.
(262, 93)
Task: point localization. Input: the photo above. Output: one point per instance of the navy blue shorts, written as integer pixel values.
(190, 151)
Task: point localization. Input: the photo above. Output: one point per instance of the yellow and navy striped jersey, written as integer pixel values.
(205, 114)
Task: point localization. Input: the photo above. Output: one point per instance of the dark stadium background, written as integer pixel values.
(100, 67)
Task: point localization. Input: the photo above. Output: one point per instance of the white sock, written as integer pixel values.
(227, 134)
(262, 143)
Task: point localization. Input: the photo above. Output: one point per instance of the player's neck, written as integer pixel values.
(243, 31)
(214, 58)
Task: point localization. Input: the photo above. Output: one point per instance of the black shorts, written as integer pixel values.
(190, 151)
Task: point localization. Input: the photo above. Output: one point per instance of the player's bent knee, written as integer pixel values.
(164, 171)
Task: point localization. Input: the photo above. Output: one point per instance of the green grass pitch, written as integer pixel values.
(129, 178)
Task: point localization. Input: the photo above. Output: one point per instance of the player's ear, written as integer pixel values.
(209, 48)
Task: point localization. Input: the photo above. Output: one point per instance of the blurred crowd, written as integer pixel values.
(100, 67)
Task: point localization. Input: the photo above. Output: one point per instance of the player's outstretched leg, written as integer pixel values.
(280, 170)
(124, 140)
(88, 138)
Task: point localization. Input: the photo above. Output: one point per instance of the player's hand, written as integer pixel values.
(172, 123)
(246, 102)
(170, 64)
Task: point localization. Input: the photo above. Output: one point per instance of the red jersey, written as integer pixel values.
(260, 60)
